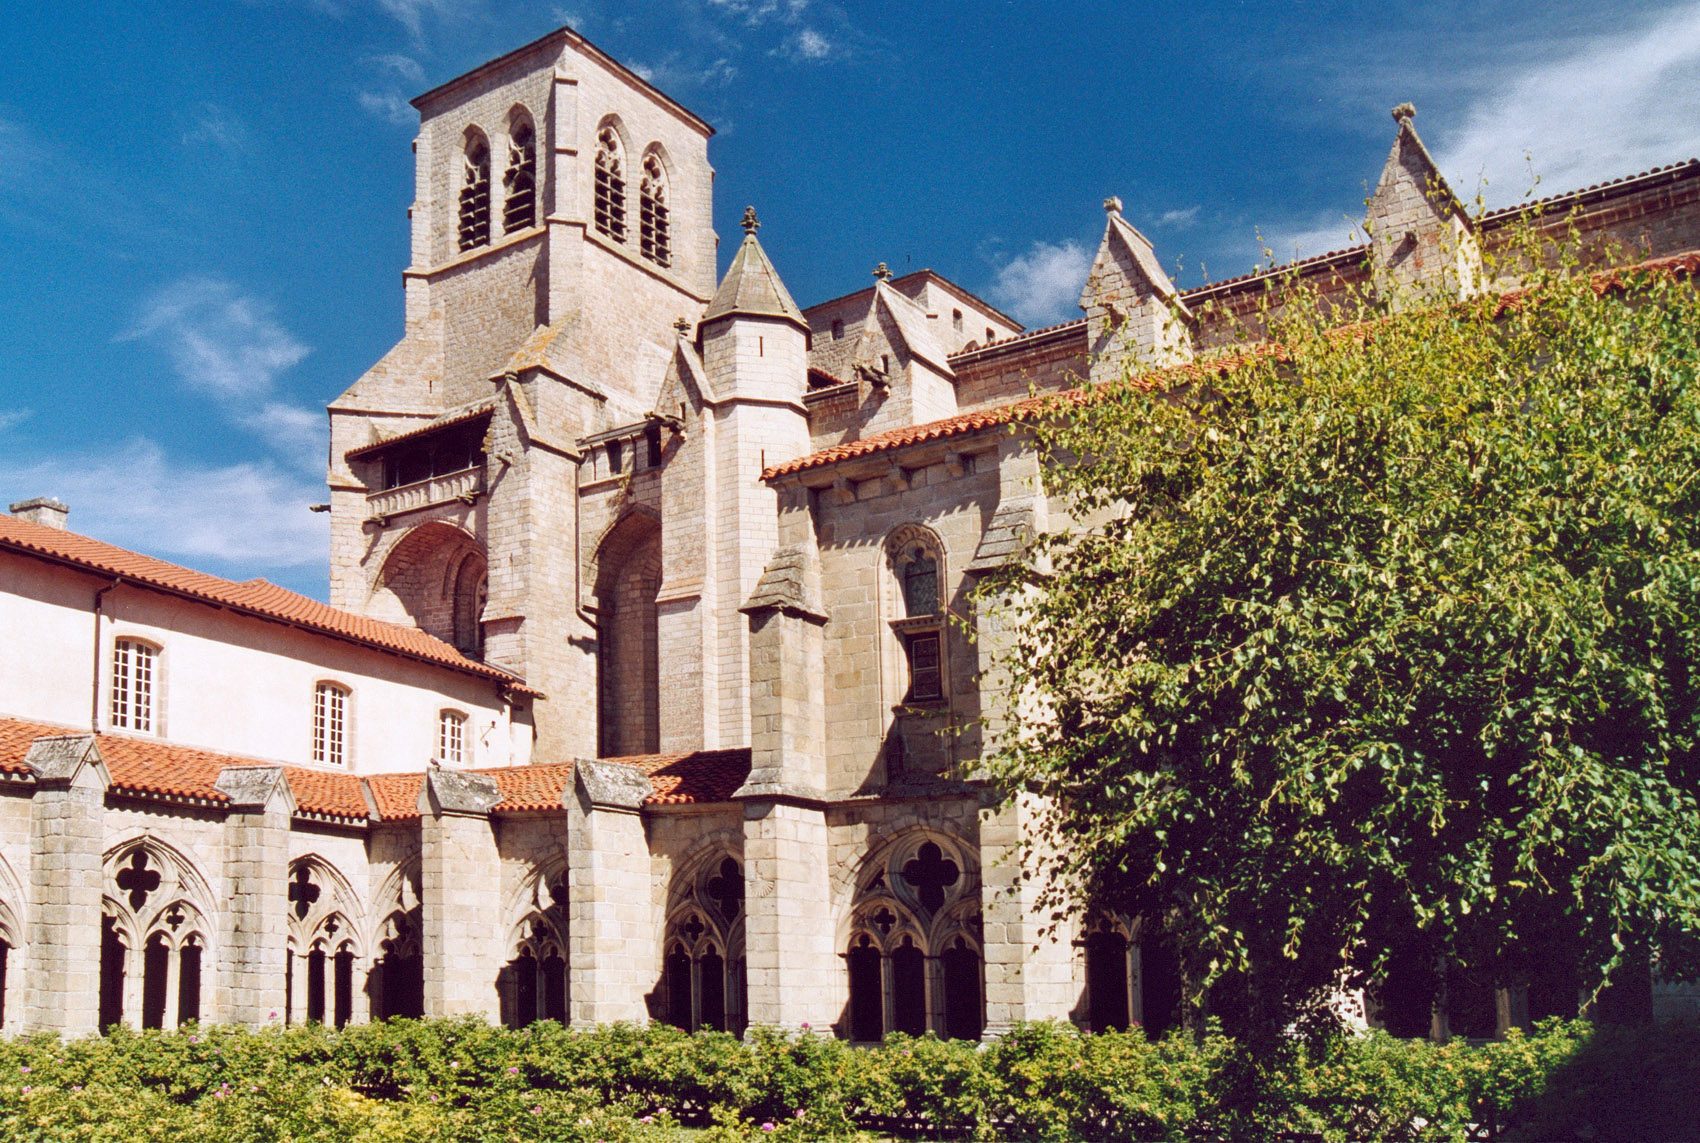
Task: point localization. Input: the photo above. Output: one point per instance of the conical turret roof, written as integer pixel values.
(752, 286)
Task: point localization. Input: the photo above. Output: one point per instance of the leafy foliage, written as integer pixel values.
(1384, 639)
(462, 1080)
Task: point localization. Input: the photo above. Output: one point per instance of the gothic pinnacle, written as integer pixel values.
(751, 223)
(882, 272)
(1404, 113)
(1112, 205)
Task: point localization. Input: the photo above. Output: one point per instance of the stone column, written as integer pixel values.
(255, 933)
(460, 878)
(63, 954)
(1032, 971)
(1029, 975)
(611, 927)
(788, 930)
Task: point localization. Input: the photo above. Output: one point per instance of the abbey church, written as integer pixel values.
(649, 686)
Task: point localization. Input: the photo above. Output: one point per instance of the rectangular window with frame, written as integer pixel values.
(330, 724)
(451, 738)
(133, 677)
(926, 674)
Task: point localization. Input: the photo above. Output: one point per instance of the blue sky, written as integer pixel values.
(203, 206)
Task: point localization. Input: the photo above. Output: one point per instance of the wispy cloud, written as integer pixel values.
(229, 345)
(674, 73)
(390, 106)
(1043, 285)
(1179, 219)
(210, 124)
(404, 67)
(136, 495)
(1316, 234)
(1592, 110)
(12, 418)
(807, 44)
(762, 11)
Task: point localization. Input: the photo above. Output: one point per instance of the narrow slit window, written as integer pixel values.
(134, 670)
(330, 724)
(654, 222)
(519, 207)
(475, 196)
(610, 185)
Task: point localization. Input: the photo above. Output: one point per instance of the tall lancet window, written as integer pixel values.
(475, 195)
(519, 208)
(610, 185)
(655, 227)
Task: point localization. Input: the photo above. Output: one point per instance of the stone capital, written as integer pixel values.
(67, 760)
(256, 789)
(454, 793)
(612, 785)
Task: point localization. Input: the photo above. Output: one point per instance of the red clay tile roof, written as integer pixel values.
(1685, 264)
(253, 597)
(150, 766)
(536, 787)
(1610, 187)
(698, 778)
(1075, 324)
(396, 795)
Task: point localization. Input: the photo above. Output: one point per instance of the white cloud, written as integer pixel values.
(135, 495)
(406, 67)
(389, 106)
(811, 45)
(1317, 234)
(1179, 219)
(12, 418)
(676, 74)
(217, 126)
(761, 11)
(1591, 111)
(227, 344)
(218, 339)
(1044, 284)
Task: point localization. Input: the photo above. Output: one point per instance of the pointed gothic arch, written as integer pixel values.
(627, 579)
(532, 985)
(913, 947)
(704, 966)
(436, 577)
(519, 181)
(609, 193)
(473, 229)
(655, 208)
(326, 945)
(158, 928)
(395, 985)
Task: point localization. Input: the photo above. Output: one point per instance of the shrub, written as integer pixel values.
(462, 1080)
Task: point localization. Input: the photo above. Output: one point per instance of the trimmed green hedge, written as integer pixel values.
(463, 1080)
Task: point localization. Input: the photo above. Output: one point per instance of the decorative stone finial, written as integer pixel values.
(882, 272)
(751, 223)
(1404, 113)
(1112, 205)
(682, 324)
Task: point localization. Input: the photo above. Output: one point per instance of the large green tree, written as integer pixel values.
(1386, 640)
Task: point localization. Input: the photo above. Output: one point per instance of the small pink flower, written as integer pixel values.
(194, 1039)
(454, 1063)
(273, 1015)
(537, 1109)
(767, 1126)
(433, 1097)
(806, 1025)
(27, 1089)
(798, 1113)
(513, 1071)
(220, 1093)
(647, 1119)
(76, 1087)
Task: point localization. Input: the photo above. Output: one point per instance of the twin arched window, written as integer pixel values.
(914, 557)
(655, 218)
(519, 184)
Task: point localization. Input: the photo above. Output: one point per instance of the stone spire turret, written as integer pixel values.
(752, 287)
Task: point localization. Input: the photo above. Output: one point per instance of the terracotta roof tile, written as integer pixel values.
(396, 795)
(697, 778)
(1669, 170)
(150, 766)
(1687, 264)
(253, 597)
(536, 787)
